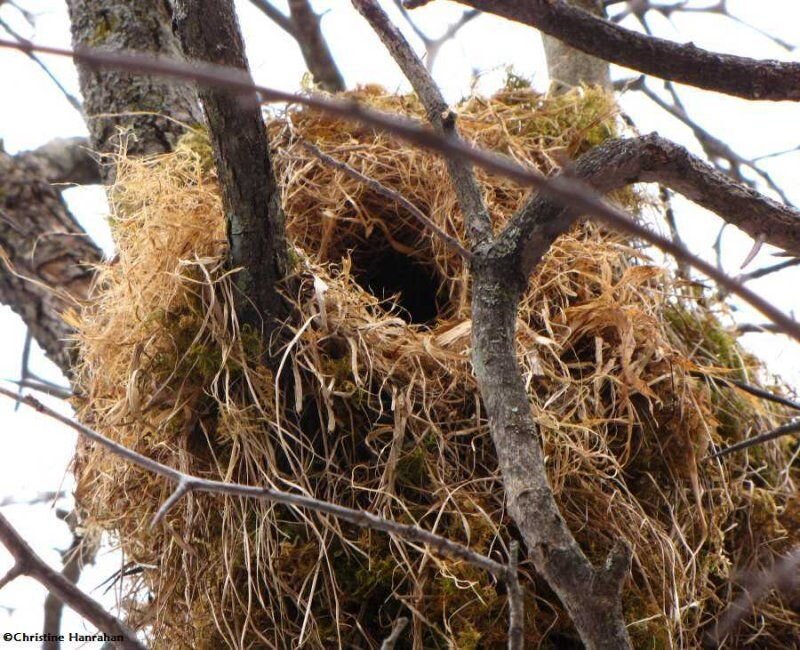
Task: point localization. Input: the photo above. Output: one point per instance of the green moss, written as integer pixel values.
(647, 627)
(198, 142)
(106, 25)
(709, 338)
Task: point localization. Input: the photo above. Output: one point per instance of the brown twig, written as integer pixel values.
(516, 601)
(791, 429)
(209, 31)
(441, 117)
(434, 45)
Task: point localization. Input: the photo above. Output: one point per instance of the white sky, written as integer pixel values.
(34, 452)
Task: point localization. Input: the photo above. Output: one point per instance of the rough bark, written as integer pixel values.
(683, 63)
(209, 32)
(152, 110)
(569, 67)
(591, 595)
(46, 255)
(307, 31)
(67, 161)
(652, 159)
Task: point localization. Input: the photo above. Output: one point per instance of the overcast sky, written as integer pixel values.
(35, 453)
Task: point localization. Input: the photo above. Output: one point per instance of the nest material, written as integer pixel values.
(374, 406)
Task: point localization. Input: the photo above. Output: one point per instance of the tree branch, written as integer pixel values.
(280, 19)
(45, 255)
(568, 67)
(66, 161)
(791, 429)
(186, 483)
(80, 553)
(307, 31)
(441, 117)
(209, 32)
(29, 564)
(683, 63)
(653, 159)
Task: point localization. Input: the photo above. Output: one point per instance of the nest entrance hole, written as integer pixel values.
(385, 272)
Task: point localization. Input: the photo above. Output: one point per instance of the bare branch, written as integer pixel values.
(308, 34)
(209, 32)
(443, 120)
(516, 601)
(187, 483)
(280, 19)
(66, 161)
(717, 151)
(568, 67)
(29, 564)
(687, 64)
(791, 429)
(434, 45)
(767, 270)
(45, 255)
(304, 26)
(572, 193)
(46, 388)
(42, 497)
(80, 553)
(758, 328)
(617, 163)
(752, 390)
(71, 99)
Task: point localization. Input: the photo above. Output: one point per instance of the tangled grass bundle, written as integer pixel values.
(374, 405)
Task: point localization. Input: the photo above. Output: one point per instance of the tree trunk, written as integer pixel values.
(209, 32)
(153, 111)
(569, 67)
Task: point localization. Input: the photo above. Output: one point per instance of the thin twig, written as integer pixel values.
(27, 562)
(752, 390)
(43, 387)
(441, 117)
(73, 101)
(516, 601)
(791, 429)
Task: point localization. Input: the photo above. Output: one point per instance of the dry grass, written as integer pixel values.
(372, 411)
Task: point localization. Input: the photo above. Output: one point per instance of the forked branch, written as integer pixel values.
(28, 563)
